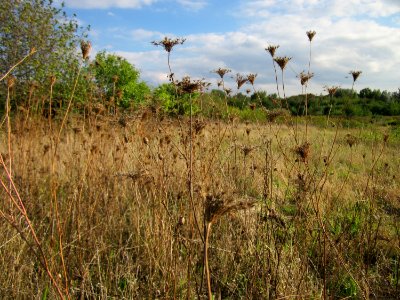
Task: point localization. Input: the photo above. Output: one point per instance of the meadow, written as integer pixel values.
(142, 205)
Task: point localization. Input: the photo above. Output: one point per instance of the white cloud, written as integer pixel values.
(103, 4)
(193, 4)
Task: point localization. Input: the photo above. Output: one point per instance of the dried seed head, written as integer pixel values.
(53, 79)
(252, 106)
(115, 78)
(331, 90)
(168, 44)
(85, 48)
(303, 151)
(188, 86)
(228, 91)
(240, 80)
(221, 72)
(11, 80)
(119, 94)
(305, 77)
(282, 61)
(251, 78)
(311, 34)
(355, 74)
(351, 140)
(272, 49)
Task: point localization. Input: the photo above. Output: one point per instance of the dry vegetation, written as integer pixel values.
(122, 207)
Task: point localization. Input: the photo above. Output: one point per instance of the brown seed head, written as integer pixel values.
(331, 90)
(168, 44)
(53, 79)
(355, 74)
(272, 49)
(86, 46)
(115, 78)
(311, 34)
(351, 140)
(251, 78)
(221, 72)
(228, 91)
(305, 77)
(282, 61)
(188, 86)
(303, 151)
(240, 80)
(11, 80)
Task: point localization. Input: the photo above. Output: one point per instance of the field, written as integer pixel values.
(143, 206)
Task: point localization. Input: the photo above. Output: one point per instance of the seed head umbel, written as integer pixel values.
(282, 61)
(11, 80)
(311, 34)
(251, 78)
(221, 72)
(305, 77)
(86, 46)
(240, 80)
(272, 49)
(331, 90)
(355, 74)
(168, 44)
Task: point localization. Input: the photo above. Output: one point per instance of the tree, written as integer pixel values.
(27, 24)
(117, 78)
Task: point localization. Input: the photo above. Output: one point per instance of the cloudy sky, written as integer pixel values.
(351, 35)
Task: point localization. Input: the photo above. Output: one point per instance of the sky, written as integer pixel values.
(350, 35)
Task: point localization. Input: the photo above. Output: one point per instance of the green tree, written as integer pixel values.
(27, 24)
(117, 78)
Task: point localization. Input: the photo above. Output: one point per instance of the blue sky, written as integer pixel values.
(351, 35)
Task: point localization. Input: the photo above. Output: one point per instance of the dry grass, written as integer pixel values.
(118, 202)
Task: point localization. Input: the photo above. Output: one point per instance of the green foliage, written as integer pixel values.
(117, 78)
(36, 24)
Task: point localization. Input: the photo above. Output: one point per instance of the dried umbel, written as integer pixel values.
(272, 49)
(282, 61)
(303, 151)
(168, 44)
(228, 91)
(11, 80)
(355, 74)
(86, 46)
(53, 79)
(331, 90)
(240, 80)
(221, 72)
(115, 78)
(351, 140)
(311, 34)
(215, 207)
(251, 78)
(252, 106)
(188, 86)
(305, 77)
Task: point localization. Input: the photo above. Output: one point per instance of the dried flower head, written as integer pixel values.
(53, 79)
(168, 44)
(11, 80)
(86, 46)
(331, 90)
(228, 91)
(188, 86)
(272, 49)
(282, 61)
(248, 91)
(303, 151)
(252, 106)
(251, 78)
(221, 72)
(240, 80)
(355, 74)
(311, 34)
(115, 78)
(351, 140)
(305, 77)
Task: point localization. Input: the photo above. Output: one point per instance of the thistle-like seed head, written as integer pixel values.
(53, 79)
(86, 46)
(240, 80)
(282, 61)
(305, 77)
(221, 72)
(251, 78)
(355, 74)
(272, 49)
(331, 89)
(11, 80)
(311, 34)
(168, 44)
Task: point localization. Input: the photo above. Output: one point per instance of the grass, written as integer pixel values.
(325, 222)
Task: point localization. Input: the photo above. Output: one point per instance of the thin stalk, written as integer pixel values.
(276, 77)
